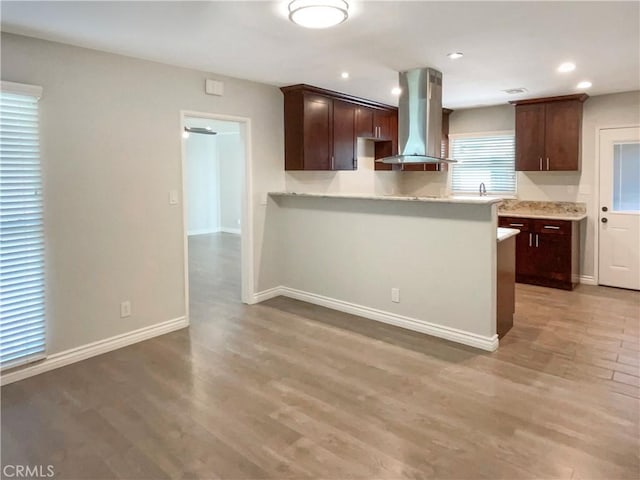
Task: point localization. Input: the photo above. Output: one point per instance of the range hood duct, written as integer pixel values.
(419, 118)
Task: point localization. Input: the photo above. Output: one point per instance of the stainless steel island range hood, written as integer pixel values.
(419, 118)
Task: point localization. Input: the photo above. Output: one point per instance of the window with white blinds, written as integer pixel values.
(22, 307)
(483, 158)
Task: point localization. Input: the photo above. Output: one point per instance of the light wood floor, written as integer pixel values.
(290, 390)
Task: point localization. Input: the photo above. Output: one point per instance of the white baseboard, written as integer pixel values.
(230, 230)
(440, 331)
(74, 355)
(588, 280)
(267, 294)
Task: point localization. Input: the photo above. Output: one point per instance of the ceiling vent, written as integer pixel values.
(515, 91)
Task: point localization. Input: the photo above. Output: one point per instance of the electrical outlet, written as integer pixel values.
(395, 295)
(125, 309)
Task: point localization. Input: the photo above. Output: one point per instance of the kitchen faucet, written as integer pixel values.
(483, 189)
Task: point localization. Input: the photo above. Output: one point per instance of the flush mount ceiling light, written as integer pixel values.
(455, 55)
(583, 85)
(318, 13)
(567, 67)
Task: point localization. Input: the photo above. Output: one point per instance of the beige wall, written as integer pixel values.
(600, 111)
(111, 152)
(363, 180)
(441, 256)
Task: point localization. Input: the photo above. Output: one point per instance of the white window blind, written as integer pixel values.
(484, 158)
(22, 308)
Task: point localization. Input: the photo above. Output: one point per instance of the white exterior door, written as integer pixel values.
(619, 209)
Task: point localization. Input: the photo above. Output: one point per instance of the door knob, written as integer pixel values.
(605, 209)
(604, 220)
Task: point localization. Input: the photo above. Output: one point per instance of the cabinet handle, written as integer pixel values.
(530, 236)
(552, 227)
(516, 224)
(355, 163)
(540, 163)
(536, 240)
(547, 163)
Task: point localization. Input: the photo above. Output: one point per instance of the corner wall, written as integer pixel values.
(364, 180)
(111, 152)
(202, 180)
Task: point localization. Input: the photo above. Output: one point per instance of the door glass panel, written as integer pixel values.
(626, 177)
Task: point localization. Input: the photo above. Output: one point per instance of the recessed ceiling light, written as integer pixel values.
(396, 91)
(583, 85)
(455, 55)
(185, 134)
(344, 74)
(318, 13)
(566, 67)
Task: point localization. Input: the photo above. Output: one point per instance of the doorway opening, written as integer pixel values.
(217, 230)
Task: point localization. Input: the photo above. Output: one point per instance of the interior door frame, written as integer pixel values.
(596, 219)
(246, 211)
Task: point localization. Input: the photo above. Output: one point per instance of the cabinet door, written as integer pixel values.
(317, 132)
(364, 122)
(415, 167)
(530, 132)
(526, 255)
(393, 125)
(553, 257)
(562, 135)
(381, 150)
(344, 136)
(382, 124)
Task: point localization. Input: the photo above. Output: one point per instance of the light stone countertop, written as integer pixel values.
(398, 198)
(504, 233)
(571, 211)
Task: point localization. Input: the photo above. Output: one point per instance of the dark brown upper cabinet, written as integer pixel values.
(344, 135)
(321, 128)
(549, 133)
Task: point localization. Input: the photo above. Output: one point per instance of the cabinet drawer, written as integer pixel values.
(522, 224)
(557, 227)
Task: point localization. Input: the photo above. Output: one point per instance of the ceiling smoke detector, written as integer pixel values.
(515, 91)
(318, 13)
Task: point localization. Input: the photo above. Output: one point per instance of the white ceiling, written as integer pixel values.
(506, 44)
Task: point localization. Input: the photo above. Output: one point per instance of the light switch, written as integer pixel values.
(173, 197)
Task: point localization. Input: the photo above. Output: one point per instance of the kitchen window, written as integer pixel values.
(487, 158)
(22, 277)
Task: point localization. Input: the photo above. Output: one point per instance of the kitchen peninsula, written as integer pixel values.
(423, 263)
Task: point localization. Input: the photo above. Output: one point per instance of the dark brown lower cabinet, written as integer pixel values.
(547, 251)
(506, 295)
